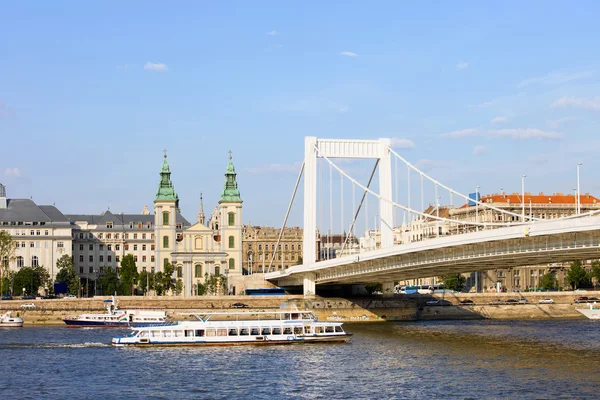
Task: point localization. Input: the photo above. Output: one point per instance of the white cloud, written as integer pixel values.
(344, 109)
(462, 65)
(557, 123)
(150, 66)
(462, 133)
(16, 172)
(481, 105)
(402, 143)
(479, 150)
(516, 133)
(273, 33)
(587, 104)
(556, 78)
(275, 168)
(525, 133)
(499, 120)
(348, 54)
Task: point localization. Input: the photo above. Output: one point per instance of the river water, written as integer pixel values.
(490, 359)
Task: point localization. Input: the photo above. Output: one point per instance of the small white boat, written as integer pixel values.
(238, 328)
(593, 312)
(8, 321)
(117, 318)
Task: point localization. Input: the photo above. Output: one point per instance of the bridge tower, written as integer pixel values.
(341, 148)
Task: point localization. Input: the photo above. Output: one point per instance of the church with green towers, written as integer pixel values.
(212, 246)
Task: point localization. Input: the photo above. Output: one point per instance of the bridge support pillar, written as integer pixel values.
(388, 289)
(309, 285)
(386, 209)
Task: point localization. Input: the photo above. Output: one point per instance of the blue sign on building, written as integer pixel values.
(474, 196)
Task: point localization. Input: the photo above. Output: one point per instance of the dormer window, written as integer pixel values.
(180, 226)
(131, 225)
(109, 225)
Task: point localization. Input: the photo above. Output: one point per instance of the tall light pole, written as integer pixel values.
(575, 197)
(477, 207)
(579, 164)
(523, 197)
(437, 214)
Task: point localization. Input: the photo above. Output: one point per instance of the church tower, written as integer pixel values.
(166, 206)
(201, 217)
(231, 221)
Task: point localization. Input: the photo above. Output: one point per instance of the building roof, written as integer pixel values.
(443, 211)
(25, 210)
(540, 198)
(119, 219)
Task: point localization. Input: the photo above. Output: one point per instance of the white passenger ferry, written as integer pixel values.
(238, 328)
(117, 318)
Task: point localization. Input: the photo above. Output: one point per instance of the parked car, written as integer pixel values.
(592, 299)
(70, 296)
(496, 302)
(511, 301)
(6, 298)
(28, 306)
(466, 301)
(28, 297)
(546, 301)
(239, 305)
(522, 300)
(582, 299)
(433, 303)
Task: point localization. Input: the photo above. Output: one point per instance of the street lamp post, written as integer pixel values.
(437, 214)
(477, 207)
(523, 197)
(576, 202)
(579, 164)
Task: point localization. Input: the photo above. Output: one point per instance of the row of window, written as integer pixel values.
(38, 244)
(23, 232)
(85, 235)
(117, 258)
(285, 246)
(109, 247)
(19, 223)
(198, 269)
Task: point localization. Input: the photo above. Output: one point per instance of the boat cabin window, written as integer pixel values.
(144, 334)
(287, 331)
(307, 316)
(265, 331)
(295, 316)
(211, 332)
(167, 333)
(200, 332)
(254, 331)
(297, 330)
(222, 332)
(233, 332)
(339, 329)
(178, 333)
(243, 332)
(329, 329)
(189, 333)
(276, 331)
(307, 329)
(318, 329)
(155, 333)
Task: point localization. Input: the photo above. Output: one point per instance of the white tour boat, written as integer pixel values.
(238, 328)
(8, 321)
(593, 312)
(115, 318)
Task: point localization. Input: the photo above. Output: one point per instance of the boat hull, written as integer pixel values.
(74, 323)
(11, 324)
(121, 342)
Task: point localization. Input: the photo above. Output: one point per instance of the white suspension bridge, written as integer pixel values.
(510, 240)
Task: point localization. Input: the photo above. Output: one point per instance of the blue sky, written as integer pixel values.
(474, 93)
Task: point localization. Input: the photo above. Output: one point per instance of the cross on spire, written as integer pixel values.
(165, 151)
(230, 154)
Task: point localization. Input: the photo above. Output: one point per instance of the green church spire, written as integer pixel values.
(231, 193)
(166, 190)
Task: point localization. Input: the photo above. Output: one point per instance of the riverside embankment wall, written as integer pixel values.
(400, 307)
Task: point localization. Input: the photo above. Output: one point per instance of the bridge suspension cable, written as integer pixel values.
(467, 198)
(422, 214)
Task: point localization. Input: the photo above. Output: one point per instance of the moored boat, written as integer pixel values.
(8, 321)
(238, 328)
(593, 312)
(115, 318)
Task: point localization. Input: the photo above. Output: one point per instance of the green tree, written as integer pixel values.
(201, 289)
(548, 281)
(300, 260)
(158, 283)
(66, 274)
(454, 282)
(374, 287)
(129, 274)
(596, 271)
(577, 276)
(179, 287)
(210, 282)
(144, 281)
(166, 280)
(29, 279)
(7, 254)
(223, 284)
(109, 281)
